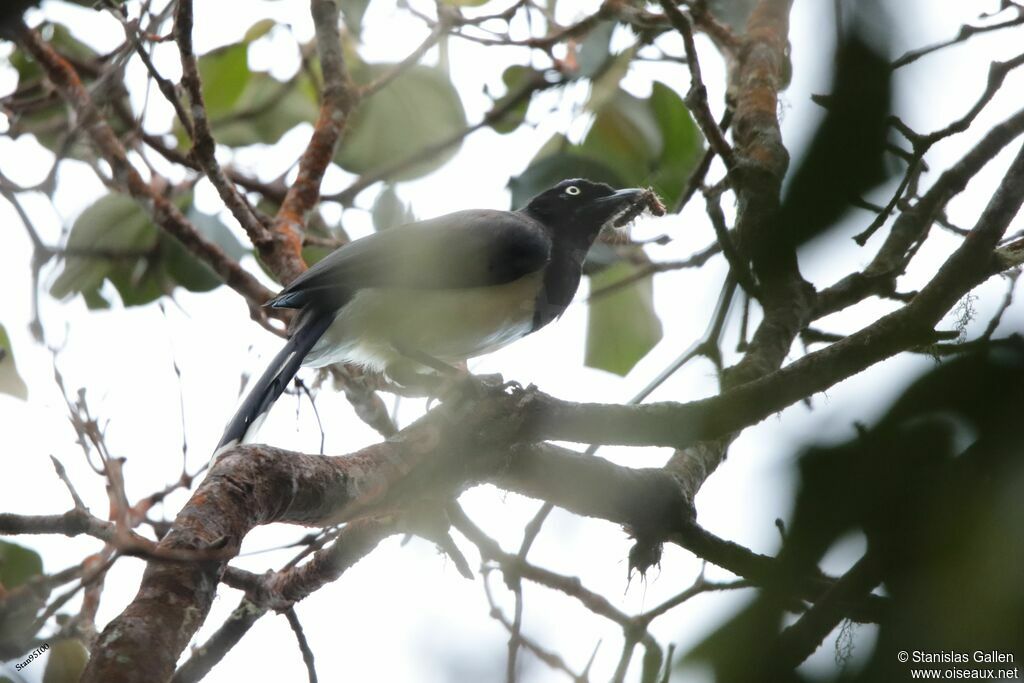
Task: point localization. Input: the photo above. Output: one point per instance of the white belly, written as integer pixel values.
(448, 324)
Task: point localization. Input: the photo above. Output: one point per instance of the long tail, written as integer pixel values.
(275, 378)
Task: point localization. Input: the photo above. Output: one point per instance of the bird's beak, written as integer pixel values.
(621, 207)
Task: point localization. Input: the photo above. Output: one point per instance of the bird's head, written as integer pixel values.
(580, 208)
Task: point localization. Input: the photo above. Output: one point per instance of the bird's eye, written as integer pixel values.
(572, 190)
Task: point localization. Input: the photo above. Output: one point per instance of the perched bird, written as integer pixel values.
(415, 297)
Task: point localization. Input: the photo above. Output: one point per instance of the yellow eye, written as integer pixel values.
(572, 190)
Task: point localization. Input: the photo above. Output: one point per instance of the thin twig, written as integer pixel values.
(79, 505)
(204, 147)
(697, 97)
(965, 32)
(300, 638)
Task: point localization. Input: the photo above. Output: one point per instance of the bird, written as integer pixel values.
(412, 299)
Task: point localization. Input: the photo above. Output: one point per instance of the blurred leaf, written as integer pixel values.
(66, 662)
(605, 84)
(419, 108)
(10, 381)
(247, 107)
(594, 51)
(311, 253)
(551, 169)
(187, 270)
(61, 39)
(224, 73)
(935, 487)
(622, 325)
(846, 156)
(682, 143)
(18, 564)
(515, 78)
(390, 211)
(140, 282)
(258, 30)
(753, 627)
(115, 240)
(625, 136)
(352, 12)
(279, 114)
(632, 142)
(267, 110)
(465, 3)
(47, 117)
(114, 225)
(95, 301)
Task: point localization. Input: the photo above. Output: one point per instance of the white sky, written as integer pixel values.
(404, 613)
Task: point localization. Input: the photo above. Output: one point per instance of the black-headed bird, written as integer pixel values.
(413, 298)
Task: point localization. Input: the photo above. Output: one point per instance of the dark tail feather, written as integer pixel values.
(275, 378)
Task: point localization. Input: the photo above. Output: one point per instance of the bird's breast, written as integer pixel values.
(448, 324)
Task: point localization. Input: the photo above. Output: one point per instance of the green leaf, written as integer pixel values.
(632, 142)
(622, 325)
(18, 564)
(247, 107)
(112, 231)
(553, 168)
(95, 301)
(682, 143)
(515, 78)
(48, 121)
(141, 282)
(10, 381)
(605, 84)
(595, 49)
(625, 136)
(225, 74)
(311, 253)
(187, 270)
(66, 662)
(418, 108)
(115, 240)
(390, 211)
(258, 30)
(266, 110)
(18, 617)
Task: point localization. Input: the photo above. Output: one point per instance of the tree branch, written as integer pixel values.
(339, 98)
(164, 212)
(204, 147)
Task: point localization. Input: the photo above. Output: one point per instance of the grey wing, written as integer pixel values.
(464, 249)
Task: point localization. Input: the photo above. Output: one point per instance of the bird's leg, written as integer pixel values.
(448, 379)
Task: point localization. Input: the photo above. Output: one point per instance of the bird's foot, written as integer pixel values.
(465, 386)
(490, 384)
(445, 382)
